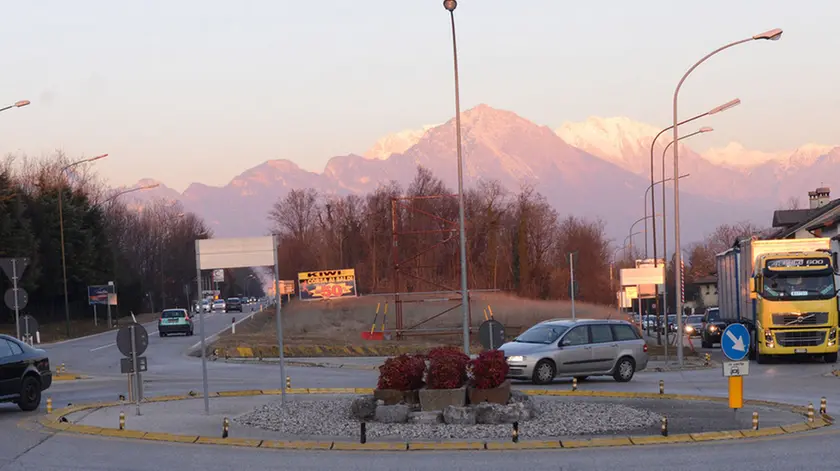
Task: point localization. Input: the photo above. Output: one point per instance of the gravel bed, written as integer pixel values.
(555, 418)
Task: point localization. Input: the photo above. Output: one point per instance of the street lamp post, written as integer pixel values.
(61, 230)
(715, 110)
(17, 104)
(772, 35)
(450, 6)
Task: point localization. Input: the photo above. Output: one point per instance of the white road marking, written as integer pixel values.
(115, 343)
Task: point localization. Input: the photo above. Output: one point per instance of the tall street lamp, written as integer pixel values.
(17, 104)
(450, 6)
(61, 230)
(715, 110)
(773, 35)
(130, 190)
(649, 188)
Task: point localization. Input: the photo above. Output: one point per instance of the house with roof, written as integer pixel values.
(820, 219)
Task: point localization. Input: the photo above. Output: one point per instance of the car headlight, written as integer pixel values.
(516, 358)
(713, 328)
(688, 328)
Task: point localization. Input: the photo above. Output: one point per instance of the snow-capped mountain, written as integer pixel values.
(497, 145)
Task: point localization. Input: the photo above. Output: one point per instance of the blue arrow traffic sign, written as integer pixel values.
(735, 342)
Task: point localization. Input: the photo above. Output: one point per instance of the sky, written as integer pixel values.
(188, 90)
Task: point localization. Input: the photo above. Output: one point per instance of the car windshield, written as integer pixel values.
(545, 334)
(173, 313)
(672, 318)
(798, 286)
(218, 302)
(694, 319)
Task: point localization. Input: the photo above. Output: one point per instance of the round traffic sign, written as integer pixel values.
(27, 325)
(735, 342)
(19, 293)
(491, 334)
(141, 339)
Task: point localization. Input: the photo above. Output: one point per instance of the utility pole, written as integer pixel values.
(572, 287)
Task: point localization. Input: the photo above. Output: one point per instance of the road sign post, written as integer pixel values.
(734, 343)
(16, 298)
(491, 334)
(132, 341)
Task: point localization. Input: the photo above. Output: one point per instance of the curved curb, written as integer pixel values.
(54, 421)
(67, 377)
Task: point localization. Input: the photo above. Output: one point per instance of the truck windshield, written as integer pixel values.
(798, 286)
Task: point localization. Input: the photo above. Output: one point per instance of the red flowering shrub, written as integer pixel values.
(403, 373)
(447, 368)
(489, 370)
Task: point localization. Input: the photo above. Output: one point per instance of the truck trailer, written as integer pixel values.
(784, 292)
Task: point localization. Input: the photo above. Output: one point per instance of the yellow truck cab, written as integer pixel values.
(784, 292)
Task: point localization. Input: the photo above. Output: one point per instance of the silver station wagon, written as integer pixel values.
(576, 348)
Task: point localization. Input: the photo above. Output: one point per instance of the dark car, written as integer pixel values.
(711, 328)
(233, 304)
(175, 321)
(24, 373)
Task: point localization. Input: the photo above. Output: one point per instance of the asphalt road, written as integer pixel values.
(23, 445)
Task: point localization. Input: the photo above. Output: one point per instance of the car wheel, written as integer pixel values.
(624, 370)
(830, 357)
(544, 372)
(30, 394)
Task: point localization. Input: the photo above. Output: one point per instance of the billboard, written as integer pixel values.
(642, 276)
(242, 252)
(327, 284)
(102, 295)
(219, 275)
(287, 286)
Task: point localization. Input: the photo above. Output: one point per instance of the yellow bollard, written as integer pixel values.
(661, 386)
(664, 426)
(288, 382)
(574, 384)
(62, 368)
(810, 413)
(515, 432)
(225, 427)
(708, 359)
(122, 420)
(49, 405)
(755, 421)
(823, 406)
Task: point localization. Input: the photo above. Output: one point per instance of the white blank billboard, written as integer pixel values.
(242, 252)
(642, 276)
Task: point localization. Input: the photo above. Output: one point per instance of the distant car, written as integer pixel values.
(693, 325)
(206, 306)
(218, 305)
(577, 348)
(175, 321)
(24, 373)
(233, 304)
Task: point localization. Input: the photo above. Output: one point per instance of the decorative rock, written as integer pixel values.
(363, 407)
(440, 399)
(396, 414)
(427, 418)
(495, 414)
(459, 415)
(519, 397)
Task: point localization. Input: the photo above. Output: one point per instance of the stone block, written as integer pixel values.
(395, 414)
(395, 396)
(439, 399)
(497, 395)
(489, 413)
(459, 415)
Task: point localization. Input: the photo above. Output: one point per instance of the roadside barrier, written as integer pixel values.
(515, 432)
(225, 427)
(661, 386)
(122, 420)
(363, 433)
(574, 384)
(810, 412)
(755, 421)
(823, 406)
(664, 426)
(49, 405)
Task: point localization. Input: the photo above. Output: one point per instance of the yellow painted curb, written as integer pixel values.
(763, 432)
(234, 441)
(596, 442)
(251, 392)
(525, 445)
(110, 432)
(296, 445)
(170, 437)
(659, 439)
(86, 429)
(793, 428)
(706, 436)
(379, 446)
(446, 446)
(67, 377)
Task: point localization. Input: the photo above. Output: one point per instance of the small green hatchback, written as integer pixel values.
(175, 321)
